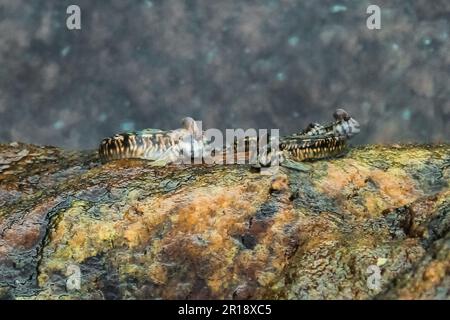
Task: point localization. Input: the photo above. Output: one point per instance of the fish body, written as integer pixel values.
(155, 144)
(188, 142)
(313, 143)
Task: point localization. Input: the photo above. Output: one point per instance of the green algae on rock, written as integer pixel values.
(139, 232)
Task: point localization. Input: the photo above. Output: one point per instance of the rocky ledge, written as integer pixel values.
(373, 224)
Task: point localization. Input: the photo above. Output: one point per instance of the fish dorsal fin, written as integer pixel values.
(150, 131)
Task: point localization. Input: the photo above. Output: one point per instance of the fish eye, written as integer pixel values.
(187, 122)
(341, 114)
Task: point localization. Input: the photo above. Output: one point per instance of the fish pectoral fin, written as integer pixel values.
(295, 165)
(166, 158)
(159, 163)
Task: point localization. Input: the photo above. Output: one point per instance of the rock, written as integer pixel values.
(373, 224)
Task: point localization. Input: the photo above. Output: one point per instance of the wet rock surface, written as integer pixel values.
(132, 231)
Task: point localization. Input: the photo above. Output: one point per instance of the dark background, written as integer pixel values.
(231, 63)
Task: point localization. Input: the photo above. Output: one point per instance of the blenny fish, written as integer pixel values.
(321, 141)
(154, 144)
(315, 142)
(162, 147)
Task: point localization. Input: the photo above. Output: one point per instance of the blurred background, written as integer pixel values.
(230, 63)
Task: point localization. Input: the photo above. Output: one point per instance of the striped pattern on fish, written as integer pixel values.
(154, 144)
(315, 142)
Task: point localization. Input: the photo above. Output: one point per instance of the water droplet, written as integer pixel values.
(273, 5)
(58, 125)
(443, 35)
(148, 3)
(102, 117)
(406, 114)
(338, 8)
(211, 55)
(293, 41)
(127, 126)
(65, 51)
(427, 41)
(281, 76)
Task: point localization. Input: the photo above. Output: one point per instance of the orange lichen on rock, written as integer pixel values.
(340, 177)
(202, 229)
(380, 189)
(279, 183)
(431, 277)
(395, 186)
